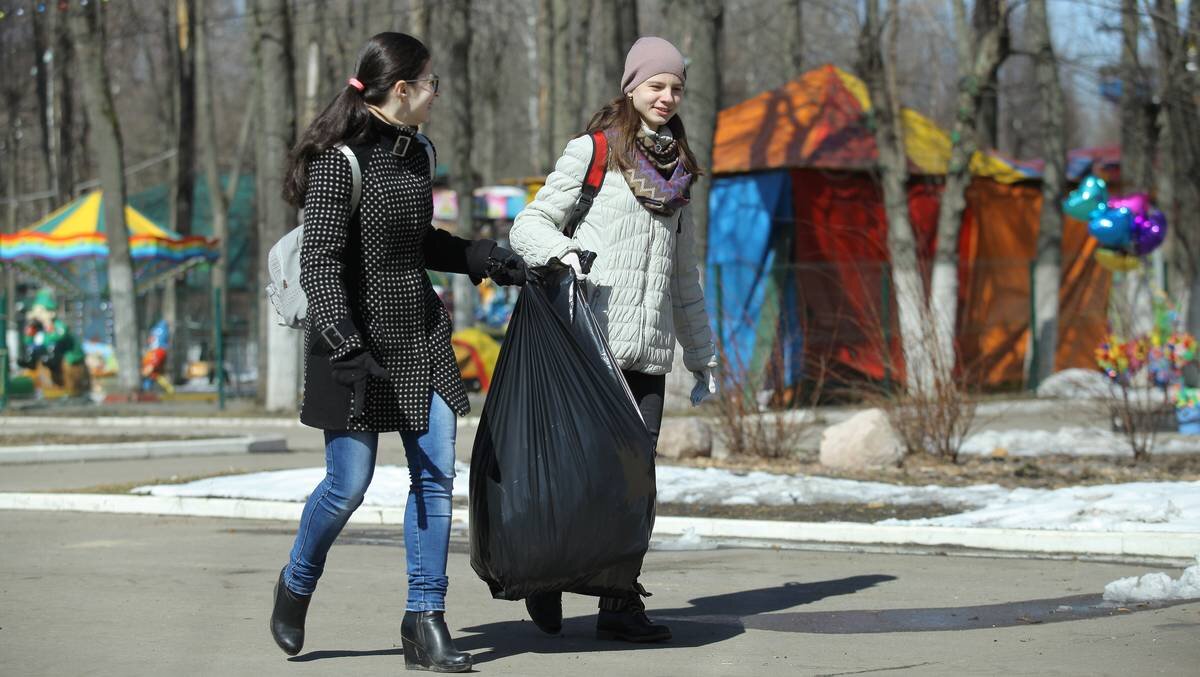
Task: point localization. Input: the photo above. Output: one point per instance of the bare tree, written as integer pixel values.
(43, 45)
(796, 37)
(1048, 266)
(276, 134)
(547, 152)
(876, 71)
(564, 94)
(701, 24)
(181, 44)
(220, 198)
(87, 25)
(462, 174)
(1137, 116)
(1178, 91)
(982, 47)
(618, 30)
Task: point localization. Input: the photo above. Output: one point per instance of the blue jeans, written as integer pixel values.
(349, 465)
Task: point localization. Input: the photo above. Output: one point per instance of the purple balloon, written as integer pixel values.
(1138, 203)
(1149, 231)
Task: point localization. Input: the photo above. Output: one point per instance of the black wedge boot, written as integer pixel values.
(287, 619)
(427, 643)
(626, 620)
(545, 610)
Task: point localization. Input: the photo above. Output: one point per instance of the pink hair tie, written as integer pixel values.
(356, 83)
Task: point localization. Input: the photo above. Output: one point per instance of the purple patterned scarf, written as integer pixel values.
(658, 193)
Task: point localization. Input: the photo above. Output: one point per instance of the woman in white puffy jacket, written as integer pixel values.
(644, 286)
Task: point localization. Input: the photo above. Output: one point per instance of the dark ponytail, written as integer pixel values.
(386, 59)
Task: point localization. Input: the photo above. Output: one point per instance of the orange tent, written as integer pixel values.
(816, 128)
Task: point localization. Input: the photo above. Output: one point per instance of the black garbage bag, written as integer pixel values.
(562, 472)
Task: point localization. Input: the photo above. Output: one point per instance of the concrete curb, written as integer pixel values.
(174, 422)
(61, 453)
(1176, 545)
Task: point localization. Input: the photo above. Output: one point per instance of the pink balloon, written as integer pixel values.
(1138, 203)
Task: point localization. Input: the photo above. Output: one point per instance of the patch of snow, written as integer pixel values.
(1134, 506)
(688, 541)
(1074, 441)
(1155, 587)
(1076, 384)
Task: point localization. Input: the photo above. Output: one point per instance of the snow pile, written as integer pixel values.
(1076, 384)
(1075, 441)
(1134, 506)
(688, 541)
(1155, 587)
(714, 486)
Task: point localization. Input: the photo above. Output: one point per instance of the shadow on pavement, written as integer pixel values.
(318, 655)
(706, 621)
(1004, 615)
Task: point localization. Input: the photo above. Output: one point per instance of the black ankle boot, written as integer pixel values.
(427, 643)
(545, 610)
(626, 620)
(287, 619)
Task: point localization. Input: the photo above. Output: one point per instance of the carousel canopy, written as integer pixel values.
(62, 248)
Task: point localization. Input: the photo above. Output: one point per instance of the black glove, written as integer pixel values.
(354, 371)
(505, 267)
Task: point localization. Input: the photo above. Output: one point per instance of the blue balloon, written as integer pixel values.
(1112, 228)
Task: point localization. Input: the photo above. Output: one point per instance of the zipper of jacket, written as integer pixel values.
(642, 334)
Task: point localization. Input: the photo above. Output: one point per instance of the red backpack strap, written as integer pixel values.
(593, 178)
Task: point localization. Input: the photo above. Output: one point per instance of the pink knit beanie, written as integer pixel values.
(648, 57)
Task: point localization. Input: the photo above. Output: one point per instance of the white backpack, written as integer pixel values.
(283, 261)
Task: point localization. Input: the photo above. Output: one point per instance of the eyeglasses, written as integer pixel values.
(433, 80)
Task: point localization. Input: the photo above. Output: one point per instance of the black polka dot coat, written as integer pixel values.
(365, 274)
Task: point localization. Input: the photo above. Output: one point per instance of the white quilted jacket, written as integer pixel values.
(645, 285)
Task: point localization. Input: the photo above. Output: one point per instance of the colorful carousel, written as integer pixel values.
(68, 249)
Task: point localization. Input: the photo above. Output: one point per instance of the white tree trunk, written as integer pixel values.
(276, 217)
(88, 28)
(1048, 266)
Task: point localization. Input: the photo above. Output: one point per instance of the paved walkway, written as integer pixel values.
(131, 595)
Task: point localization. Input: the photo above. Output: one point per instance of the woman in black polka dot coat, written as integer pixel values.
(377, 346)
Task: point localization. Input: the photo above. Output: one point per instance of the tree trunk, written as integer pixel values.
(981, 50)
(276, 217)
(1178, 92)
(206, 125)
(185, 175)
(88, 30)
(564, 92)
(547, 151)
(67, 91)
(616, 31)
(907, 283)
(796, 39)
(702, 48)
(1048, 265)
(43, 45)
(421, 20)
(462, 173)
(11, 170)
(1136, 150)
(581, 50)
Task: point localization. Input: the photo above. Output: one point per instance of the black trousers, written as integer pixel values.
(648, 391)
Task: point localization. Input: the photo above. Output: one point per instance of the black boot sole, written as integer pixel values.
(415, 658)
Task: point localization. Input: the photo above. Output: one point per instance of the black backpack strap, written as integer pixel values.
(592, 180)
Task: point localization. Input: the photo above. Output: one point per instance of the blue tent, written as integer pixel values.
(752, 303)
